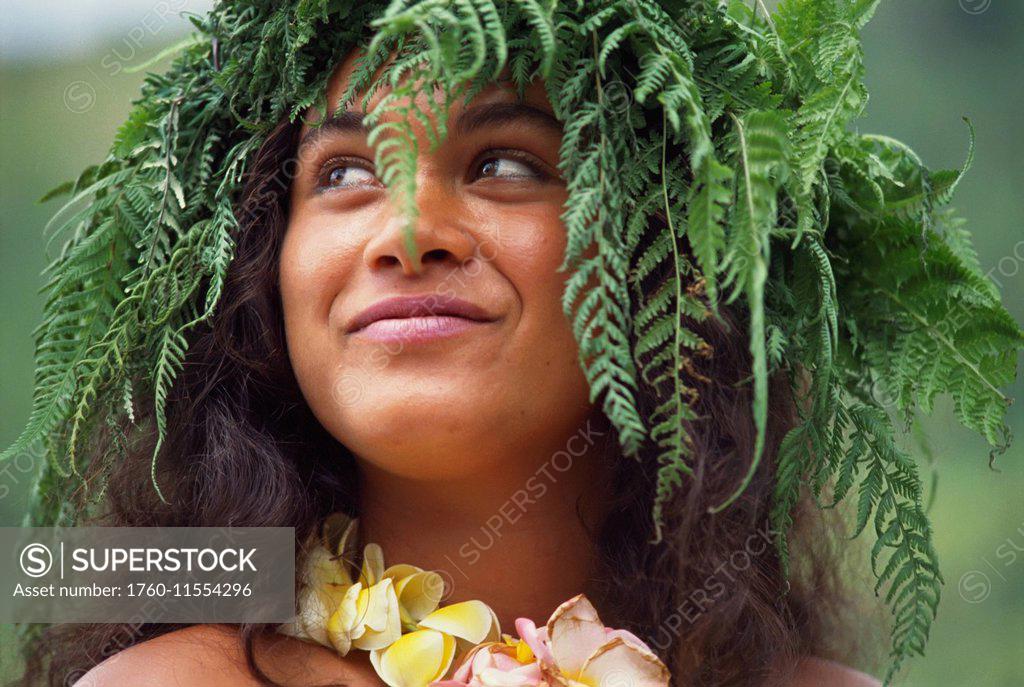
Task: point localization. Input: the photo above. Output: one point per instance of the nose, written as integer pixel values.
(439, 236)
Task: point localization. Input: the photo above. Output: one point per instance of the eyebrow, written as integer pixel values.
(494, 114)
(468, 121)
(344, 122)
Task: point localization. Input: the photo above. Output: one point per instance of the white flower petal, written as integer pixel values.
(575, 632)
(620, 663)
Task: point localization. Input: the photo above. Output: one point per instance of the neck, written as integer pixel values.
(519, 538)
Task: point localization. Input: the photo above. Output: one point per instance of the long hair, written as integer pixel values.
(243, 449)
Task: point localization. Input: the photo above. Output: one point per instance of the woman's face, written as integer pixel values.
(457, 357)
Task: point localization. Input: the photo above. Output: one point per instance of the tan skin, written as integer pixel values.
(447, 419)
(446, 430)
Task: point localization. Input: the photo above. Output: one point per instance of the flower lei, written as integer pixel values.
(395, 614)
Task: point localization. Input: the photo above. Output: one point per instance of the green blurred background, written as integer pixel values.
(64, 88)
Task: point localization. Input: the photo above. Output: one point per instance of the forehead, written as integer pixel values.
(502, 90)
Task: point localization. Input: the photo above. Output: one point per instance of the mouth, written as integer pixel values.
(417, 318)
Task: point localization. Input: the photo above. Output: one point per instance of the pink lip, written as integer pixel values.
(417, 318)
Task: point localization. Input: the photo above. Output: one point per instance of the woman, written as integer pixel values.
(518, 275)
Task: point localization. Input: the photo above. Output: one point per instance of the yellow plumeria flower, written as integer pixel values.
(373, 611)
(419, 592)
(425, 654)
(417, 658)
(325, 581)
(368, 613)
(366, 618)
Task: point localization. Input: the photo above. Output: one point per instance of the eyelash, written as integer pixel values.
(520, 156)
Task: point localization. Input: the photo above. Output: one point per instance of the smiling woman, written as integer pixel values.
(558, 299)
(474, 307)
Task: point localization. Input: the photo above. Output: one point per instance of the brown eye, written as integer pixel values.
(346, 175)
(506, 168)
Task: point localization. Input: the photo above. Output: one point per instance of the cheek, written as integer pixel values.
(316, 261)
(304, 272)
(314, 267)
(534, 258)
(532, 255)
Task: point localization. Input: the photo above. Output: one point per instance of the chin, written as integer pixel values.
(441, 431)
(425, 434)
(422, 449)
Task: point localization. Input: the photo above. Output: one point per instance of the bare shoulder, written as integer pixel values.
(818, 672)
(199, 655)
(214, 656)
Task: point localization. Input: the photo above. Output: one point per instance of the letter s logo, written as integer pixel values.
(36, 560)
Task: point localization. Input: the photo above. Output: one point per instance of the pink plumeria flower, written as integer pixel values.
(497, 664)
(575, 649)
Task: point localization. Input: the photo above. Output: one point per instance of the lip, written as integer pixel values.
(417, 318)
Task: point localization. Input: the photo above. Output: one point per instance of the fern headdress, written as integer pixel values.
(730, 123)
